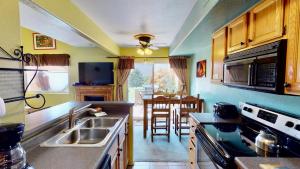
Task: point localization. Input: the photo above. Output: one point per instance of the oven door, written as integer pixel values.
(239, 73)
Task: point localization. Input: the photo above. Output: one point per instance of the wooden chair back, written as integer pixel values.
(189, 104)
(160, 104)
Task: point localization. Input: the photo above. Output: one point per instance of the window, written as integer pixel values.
(164, 78)
(54, 80)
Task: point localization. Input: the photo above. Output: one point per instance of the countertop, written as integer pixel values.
(211, 118)
(43, 119)
(70, 157)
(267, 163)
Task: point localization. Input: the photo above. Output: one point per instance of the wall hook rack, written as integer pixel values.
(20, 56)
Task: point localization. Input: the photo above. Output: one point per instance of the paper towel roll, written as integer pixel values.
(2, 107)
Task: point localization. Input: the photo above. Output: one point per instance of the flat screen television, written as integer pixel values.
(96, 73)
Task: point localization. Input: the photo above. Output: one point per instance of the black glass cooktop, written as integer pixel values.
(239, 141)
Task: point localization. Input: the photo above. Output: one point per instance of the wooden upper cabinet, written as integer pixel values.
(266, 21)
(218, 54)
(237, 34)
(292, 76)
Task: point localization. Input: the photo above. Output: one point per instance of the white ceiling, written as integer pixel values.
(121, 19)
(37, 19)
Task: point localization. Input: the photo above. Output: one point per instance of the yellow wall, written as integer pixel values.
(10, 40)
(70, 14)
(77, 55)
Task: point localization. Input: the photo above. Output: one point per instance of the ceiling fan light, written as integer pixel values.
(148, 51)
(140, 51)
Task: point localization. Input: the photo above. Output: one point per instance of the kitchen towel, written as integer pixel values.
(2, 107)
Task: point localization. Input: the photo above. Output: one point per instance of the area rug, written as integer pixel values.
(160, 150)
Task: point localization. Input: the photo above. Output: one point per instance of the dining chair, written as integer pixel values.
(160, 110)
(188, 104)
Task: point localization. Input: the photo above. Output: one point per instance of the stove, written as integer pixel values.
(221, 142)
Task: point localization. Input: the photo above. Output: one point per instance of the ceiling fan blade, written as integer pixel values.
(153, 47)
(143, 43)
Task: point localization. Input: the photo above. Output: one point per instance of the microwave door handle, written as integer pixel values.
(250, 74)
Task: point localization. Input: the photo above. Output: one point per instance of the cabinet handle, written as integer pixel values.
(286, 84)
(191, 162)
(120, 149)
(242, 43)
(250, 40)
(193, 126)
(191, 149)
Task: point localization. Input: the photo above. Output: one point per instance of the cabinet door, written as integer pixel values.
(115, 161)
(125, 146)
(292, 85)
(219, 51)
(237, 34)
(121, 156)
(192, 155)
(266, 21)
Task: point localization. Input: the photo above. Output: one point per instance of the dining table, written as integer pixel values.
(147, 101)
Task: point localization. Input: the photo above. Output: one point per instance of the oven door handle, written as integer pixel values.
(206, 136)
(209, 154)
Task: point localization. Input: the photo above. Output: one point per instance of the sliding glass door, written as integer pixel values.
(147, 78)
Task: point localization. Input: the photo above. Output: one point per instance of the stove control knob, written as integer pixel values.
(297, 127)
(289, 124)
(248, 109)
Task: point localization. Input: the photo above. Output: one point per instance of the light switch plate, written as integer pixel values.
(2, 107)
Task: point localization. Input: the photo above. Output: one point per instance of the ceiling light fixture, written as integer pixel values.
(144, 47)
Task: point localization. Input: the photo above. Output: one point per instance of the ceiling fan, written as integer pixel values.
(145, 47)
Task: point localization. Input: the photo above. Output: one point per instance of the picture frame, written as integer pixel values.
(43, 42)
(201, 69)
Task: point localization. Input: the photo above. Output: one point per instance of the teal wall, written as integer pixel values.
(198, 44)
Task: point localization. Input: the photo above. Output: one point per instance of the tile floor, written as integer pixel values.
(159, 165)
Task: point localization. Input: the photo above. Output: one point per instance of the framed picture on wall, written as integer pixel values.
(201, 68)
(43, 42)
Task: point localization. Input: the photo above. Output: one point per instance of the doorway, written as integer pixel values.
(147, 78)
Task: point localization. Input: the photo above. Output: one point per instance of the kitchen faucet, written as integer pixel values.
(74, 112)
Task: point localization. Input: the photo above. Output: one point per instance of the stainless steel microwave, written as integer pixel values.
(261, 68)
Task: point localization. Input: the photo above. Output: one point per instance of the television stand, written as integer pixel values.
(84, 92)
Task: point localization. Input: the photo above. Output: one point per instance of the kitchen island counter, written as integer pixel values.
(76, 157)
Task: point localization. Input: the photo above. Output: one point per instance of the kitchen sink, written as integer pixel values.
(90, 132)
(99, 122)
(84, 136)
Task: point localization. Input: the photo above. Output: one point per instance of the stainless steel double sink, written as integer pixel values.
(90, 132)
